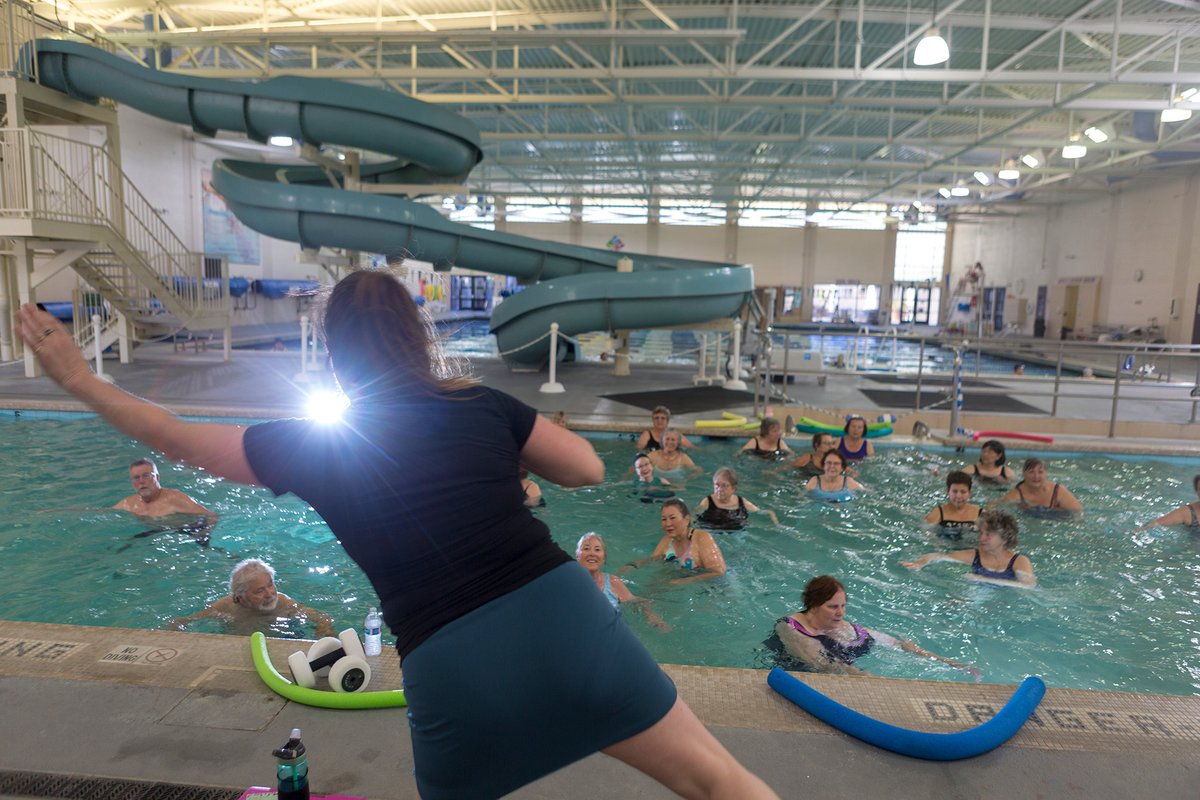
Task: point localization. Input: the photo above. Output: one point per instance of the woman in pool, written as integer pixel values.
(591, 553)
(854, 444)
(991, 466)
(649, 486)
(958, 514)
(810, 463)
(691, 548)
(459, 563)
(995, 560)
(651, 439)
(1039, 496)
(1184, 515)
(670, 459)
(724, 509)
(769, 443)
(819, 637)
(833, 485)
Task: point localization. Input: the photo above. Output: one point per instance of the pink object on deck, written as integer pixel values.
(1033, 437)
(265, 793)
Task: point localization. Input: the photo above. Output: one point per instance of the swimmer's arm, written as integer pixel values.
(643, 440)
(711, 560)
(625, 596)
(965, 556)
(895, 643)
(561, 456)
(1179, 516)
(322, 622)
(533, 495)
(756, 510)
(1024, 569)
(1011, 496)
(685, 442)
(870, 448)
(659, 552)
(686, 460)
(855, 485)
(749, 445)
(219, 610)
(703, 505)
(1068, 501)
(932, 516)
(812, 483)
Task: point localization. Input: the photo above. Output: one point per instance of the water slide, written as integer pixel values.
(577, 287)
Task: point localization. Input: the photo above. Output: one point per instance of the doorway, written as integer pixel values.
(1039, 316)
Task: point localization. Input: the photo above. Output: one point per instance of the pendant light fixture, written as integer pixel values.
(932, 49)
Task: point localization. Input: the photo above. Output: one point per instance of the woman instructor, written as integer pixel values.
(459, 562)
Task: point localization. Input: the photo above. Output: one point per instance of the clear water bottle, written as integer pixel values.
(291, 769)
(373, 633)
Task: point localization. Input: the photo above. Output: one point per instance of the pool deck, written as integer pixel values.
(188, 709)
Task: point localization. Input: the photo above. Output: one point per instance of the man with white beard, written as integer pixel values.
(254, 604)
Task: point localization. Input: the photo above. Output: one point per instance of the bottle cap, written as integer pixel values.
(295, 733)
(373, 610)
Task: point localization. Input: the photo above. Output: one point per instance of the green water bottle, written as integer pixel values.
(291, 769)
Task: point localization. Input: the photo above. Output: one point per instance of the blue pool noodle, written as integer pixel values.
(917, 744)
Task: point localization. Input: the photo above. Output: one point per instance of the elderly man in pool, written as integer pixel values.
(152, 500)
(253, 604)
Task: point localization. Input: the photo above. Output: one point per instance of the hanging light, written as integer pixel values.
(1096, 134)
(1031, 160)
(932, 49)
(945, 192)
(280, 141)
(983, 177)
(1173, 114)
(1010, 172)
(1074, 149)
(960, 191)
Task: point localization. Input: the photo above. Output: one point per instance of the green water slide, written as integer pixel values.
(577, 287)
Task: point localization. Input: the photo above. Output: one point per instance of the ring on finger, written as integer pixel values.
(46, 332)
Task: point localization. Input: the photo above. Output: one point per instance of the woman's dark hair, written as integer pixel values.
(853, 419)
(381, 343)
(819, 591)
(817, 437)
(640, 456)
(1196, 483)
(958, 477)
(767, 423)
(682, 506)
(1031, 463)
(997, 447)
(836, 454)
(1000, 522)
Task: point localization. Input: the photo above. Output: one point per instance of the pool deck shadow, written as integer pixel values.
(188, 709)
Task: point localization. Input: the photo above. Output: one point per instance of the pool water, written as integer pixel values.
(1113, 610)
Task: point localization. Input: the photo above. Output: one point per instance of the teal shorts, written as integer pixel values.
(527, 684)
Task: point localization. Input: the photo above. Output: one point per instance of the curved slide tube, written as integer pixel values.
(917, 744)
(579, 288)
(1032, 437)
(315, 697)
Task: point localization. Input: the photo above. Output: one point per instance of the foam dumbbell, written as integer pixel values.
(343, 657)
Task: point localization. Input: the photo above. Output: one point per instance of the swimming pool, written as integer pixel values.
(1113, 610)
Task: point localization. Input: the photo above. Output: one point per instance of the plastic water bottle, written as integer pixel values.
(291, 770)
(373, 638)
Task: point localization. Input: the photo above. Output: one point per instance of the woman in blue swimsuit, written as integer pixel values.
(854, 444)
(995, 559)
(1184, 515)
(591, 553)
(691, 548)
(821, 638)
(833, 485)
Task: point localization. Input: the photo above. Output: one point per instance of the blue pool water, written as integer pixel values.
(1113, 610)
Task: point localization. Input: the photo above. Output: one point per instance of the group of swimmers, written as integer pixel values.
(818, 636)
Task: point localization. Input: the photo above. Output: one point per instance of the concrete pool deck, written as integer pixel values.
(188, 709)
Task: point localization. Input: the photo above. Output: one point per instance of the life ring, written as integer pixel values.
(1033, 437)
(315, 697)
(916, 744)
(727, 420)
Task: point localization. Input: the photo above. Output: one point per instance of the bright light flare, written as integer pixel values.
(327, 407)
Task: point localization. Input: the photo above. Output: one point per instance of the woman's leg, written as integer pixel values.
(680, 753)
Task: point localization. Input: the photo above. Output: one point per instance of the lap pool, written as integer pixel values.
(1114, 609)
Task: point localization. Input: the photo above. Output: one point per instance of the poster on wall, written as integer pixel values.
(224, 234)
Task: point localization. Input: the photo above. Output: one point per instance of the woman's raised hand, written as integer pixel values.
(52, 344)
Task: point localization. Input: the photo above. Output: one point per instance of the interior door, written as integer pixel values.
(1039, 314)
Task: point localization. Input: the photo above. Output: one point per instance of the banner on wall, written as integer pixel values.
(224, 234)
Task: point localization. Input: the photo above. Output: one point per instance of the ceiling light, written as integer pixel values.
(932, 49)
(1096, 135)
(280, 141)
(1186, 93)
(944, 192)
(983, 177)
(960, 191)
(1031, 161)
(1074, 150)
(1009, 174)
(1175, 114)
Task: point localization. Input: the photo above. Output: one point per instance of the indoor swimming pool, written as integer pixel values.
(1114, 609)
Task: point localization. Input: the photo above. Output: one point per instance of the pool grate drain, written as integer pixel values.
(83, 787)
